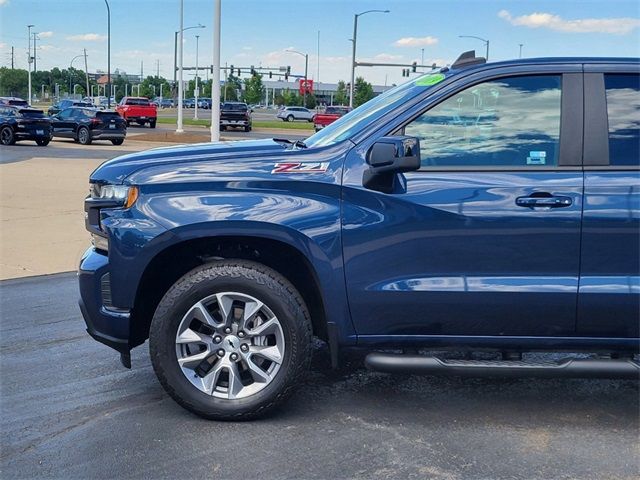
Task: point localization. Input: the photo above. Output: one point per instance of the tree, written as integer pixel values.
(253, 89)
(340, 97)
(312, 101)
(231, 86)
(13, 82)
(363, 92)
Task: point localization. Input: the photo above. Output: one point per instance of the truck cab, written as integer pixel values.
(482, 207)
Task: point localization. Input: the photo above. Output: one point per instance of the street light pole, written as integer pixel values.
(29, 61)
(306, 71)
(195, 112)
(486, 43)
(180, 86)
(215, 74)
(353, 51)
(108, 53)
(71, 74)
(520, 45)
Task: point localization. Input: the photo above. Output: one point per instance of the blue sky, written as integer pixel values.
(258, 32)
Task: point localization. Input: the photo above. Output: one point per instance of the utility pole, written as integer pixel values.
(520, 45)
(86, 71)
(158, 68)
(318, 65)
(12, 58)
(29, 60)
(108, 54)
(141, 70)
(196, 93)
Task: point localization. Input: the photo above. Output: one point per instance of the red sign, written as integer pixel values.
(306, 86)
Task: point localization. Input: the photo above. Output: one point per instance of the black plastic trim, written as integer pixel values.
(596, 128)
(571, 128)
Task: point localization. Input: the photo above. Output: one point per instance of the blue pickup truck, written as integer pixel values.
(485, 206)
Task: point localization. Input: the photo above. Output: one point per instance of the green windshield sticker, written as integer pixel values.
(430, 80)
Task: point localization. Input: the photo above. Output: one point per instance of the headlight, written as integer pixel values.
(124, 195)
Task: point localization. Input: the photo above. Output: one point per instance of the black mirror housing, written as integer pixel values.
(388, 157)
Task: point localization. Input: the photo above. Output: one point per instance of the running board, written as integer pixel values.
(576, 368)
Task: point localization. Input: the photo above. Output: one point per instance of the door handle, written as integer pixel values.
(544, 202)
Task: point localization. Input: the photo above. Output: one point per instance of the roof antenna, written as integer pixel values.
(467, 59)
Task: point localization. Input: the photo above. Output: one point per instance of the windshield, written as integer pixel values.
(354, 121)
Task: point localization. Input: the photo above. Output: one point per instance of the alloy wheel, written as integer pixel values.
(230, 345)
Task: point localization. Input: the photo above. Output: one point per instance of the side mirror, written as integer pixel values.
(388, 157)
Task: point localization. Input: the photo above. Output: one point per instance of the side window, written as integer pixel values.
(510, 122)
(65, 114)
(623, 111)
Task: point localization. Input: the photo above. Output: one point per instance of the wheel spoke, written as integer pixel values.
(190, 336)
(200, 312)
(235, 385)
(250, 309)
(193, 360)
(270, 353)
(267, 328)
(210, 380)
(225, 302)
(257, 373)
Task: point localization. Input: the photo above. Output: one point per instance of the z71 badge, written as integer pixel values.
(299, 167)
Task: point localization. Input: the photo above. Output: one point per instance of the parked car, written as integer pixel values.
(484, 207)
(289, 114)
(204, 103)
(235, 114)
(189, 103)
(139, 110)
(19, 123)
(85, 125)
(330, 115)
(15, 101)
(66, 103)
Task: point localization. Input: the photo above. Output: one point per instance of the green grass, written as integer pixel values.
(256, 124)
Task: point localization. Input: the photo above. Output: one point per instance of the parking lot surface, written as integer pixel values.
(70, 410)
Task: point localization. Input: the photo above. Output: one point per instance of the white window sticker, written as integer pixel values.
(537, 158)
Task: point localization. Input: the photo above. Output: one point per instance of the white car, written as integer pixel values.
(289, 114)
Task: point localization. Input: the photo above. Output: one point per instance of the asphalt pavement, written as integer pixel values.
(69, 410)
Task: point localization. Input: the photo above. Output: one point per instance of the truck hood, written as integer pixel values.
(226, 162)
(122, 168)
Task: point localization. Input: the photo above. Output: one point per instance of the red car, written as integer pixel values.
(139, 110)
(330, 115)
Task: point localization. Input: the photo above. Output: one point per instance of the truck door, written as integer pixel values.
(484, 239)
(609, 295)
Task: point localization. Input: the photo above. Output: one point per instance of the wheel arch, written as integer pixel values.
(171, 263)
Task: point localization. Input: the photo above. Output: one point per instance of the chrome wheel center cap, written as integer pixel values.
(231, 343)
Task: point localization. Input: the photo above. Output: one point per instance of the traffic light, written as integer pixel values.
(270, 74)
(286, 73)
(253, 71)
(232, 70)
(414, 66)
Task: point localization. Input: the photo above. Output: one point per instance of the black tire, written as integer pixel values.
(247, 129)
(6, 136)
(152, 124)
(290, 118)
(84, 136)
(128, 123)
(43, 142)
(241, 276)
(117, 141)
(223, 128)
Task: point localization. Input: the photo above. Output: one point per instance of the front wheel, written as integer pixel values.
(230, 340)
(117, 141)
(43, 142)
(290, 118)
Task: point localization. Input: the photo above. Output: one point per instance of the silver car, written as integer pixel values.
(289, 114)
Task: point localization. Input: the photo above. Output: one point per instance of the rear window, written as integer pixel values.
(32, 113)
(107, 115)
(138, 101)
(19, 103)
(623, 109)
(234, 106)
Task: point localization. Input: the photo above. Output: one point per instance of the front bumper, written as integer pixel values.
(104, 323)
